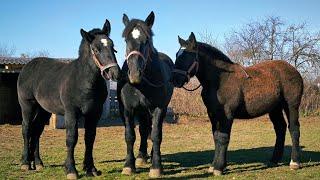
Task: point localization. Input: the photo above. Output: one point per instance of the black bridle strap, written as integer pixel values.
(195, 64)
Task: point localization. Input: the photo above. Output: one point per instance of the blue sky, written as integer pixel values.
(54, 26)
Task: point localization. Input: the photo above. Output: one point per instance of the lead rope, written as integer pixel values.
(244, 71)
(190, 90)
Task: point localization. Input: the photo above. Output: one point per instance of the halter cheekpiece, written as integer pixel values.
(100, 66)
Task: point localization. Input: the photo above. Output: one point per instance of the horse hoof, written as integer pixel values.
(294, 165)
(141, 162)
(97, 173)
(39, 167)
(93, 173)
(217, 172)
(211, 169)
(127, 171)
(154, 173)
(25, 167)
(72, 176)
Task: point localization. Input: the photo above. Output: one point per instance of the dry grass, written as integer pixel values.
(187, 151)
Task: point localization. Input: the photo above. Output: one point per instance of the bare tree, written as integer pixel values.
(6, 50)
(271, 39)
(248, 41)
(41, 53)
(208, 38)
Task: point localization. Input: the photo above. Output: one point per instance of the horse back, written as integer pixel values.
(41, 80)
(270, 84)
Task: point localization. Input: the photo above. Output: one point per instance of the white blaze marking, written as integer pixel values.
(135, 33)
(104, 42)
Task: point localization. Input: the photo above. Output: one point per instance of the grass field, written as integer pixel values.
(187, 150)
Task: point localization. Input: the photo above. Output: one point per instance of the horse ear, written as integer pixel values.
(192, 39)
(125, 19)
(106, 28)
(86, 36)
(150, 19)
(182, 42)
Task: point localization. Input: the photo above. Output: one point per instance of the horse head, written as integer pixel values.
(102, 51)
(138, 38)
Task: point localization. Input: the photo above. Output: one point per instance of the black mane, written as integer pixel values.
(134, 23)
(213, 53)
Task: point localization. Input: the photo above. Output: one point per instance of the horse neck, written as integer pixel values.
(152, 63)
(87, 68)
(212, 68)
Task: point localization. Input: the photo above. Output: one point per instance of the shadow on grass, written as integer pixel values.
(246, 160)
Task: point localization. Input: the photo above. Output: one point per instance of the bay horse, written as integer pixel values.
(231, 91)
(144, 92)
(76, 90)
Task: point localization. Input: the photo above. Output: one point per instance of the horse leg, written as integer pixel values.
(38, 125)
(221, 140)
(90, 126)
(279, 125)
(71, 124)
(144, 130)
(130, 137)
(156, 137)
(213, 128)
(292, 113)
(28, 109)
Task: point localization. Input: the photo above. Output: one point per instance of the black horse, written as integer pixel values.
(144, 92)
(231, 91)
(76, 90)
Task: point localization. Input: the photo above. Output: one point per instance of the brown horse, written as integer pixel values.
(231, 91)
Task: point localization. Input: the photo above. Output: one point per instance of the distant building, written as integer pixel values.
(10, 111)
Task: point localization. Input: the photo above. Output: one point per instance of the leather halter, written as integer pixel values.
(194, 65)
(100, 66)
(145, 59)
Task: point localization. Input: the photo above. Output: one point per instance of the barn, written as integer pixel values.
(10, 112)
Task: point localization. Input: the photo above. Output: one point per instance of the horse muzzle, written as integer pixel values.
(135, 77)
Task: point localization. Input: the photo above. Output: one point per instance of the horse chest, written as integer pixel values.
(134, 98)
(91, 100)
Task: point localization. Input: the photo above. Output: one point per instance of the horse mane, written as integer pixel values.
(84, 48)
(213, 53)
(134, 23)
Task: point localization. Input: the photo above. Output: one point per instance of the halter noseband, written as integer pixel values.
(100, 66)
(135, 52)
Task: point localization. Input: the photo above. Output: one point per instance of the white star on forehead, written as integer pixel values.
(135, 33)
(104, 42)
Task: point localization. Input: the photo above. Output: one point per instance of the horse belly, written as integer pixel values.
(260, 98)
(50, 101)
(51, 105)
